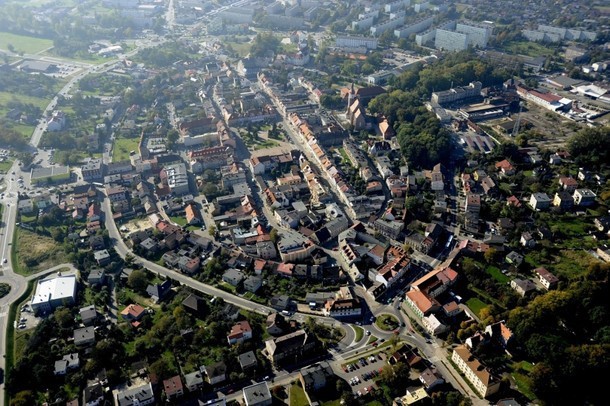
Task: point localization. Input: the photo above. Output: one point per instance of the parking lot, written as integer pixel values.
(26, 318)
(360, 373)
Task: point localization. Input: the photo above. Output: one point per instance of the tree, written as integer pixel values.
(273, 235)
(63, 317)
(591, 146)
(138, 280)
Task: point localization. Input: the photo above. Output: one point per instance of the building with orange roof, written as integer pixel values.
(436, 282)
(192, 214)
(173, 387)
(420, 303)
(240, 332)
(484, 382)
(133, 312)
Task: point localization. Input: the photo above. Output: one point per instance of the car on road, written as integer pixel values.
(21, 326)
(368, 333)
(4, 260)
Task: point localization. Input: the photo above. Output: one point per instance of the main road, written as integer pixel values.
(17, 283)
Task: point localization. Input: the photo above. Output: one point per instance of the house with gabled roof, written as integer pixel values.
(484, 382)
(546, 278)
(240, 332)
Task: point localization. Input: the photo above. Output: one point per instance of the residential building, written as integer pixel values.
(290, 346)
(54, 291)
(67, 363)
(540, 201)
(240, 332)
(522, 286)
(215, 373)
(547, 279)
(84, 336)
(436, 282)
(233, 277)
(420, 303)
(314, 378)
(563, 200)
(177, 178)
(93, 170)
(88, 315)
(140, 395)
(193, 381)
(159, 291)
(133, 312)
(457, 93)
(430, 379)
(173, 388)
(247, 360)
(433, 325)
(253, 283)
(478, 375)
(257, 394)
(584, 197)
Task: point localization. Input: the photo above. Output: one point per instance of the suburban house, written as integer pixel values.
(192, 214)
(257, 394)
(88, 315)
(430, 379)
(133, 312)
(253, 283)
(433, 325)
(215, 373)
(546, 278)
(140, 395)
(173, 387)
(193, 381)
(275, 324)
(97, 276)
(540, 201)
(84, 336)
(240, 332)
(247, 360)
(314, 378)
(233, 277)
(290, 346)
(67, 363)
(195, 305)
(522, 286)
(478, 375)
(159, 291)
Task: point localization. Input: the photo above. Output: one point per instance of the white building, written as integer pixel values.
(350, 41)
(54, 291)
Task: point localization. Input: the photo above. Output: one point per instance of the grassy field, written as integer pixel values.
(387, 322)
(6, 97)
(359, 333)
(22, 43)
(497, 274)
(242, 48)
(122, 148)
(10, 331)
(520, 372)
(476, 305)
(39, 251)
(6, 165)
(529, 48)
(297, 396)
(180, 220)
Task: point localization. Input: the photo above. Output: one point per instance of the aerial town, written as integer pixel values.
(304, 202)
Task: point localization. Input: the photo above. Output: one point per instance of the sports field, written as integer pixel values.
(22, 43)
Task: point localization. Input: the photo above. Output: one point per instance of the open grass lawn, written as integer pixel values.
(180, 220)
(359, 333)
(520, 373)
(529, 48)
(5, 166)
(22, 43)
(34, 252)
(242, 48)
(122, 147)
(6, 97)
(497, 274)
(297, 396)
(476, 305)
(571, 263)
(387, 322)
